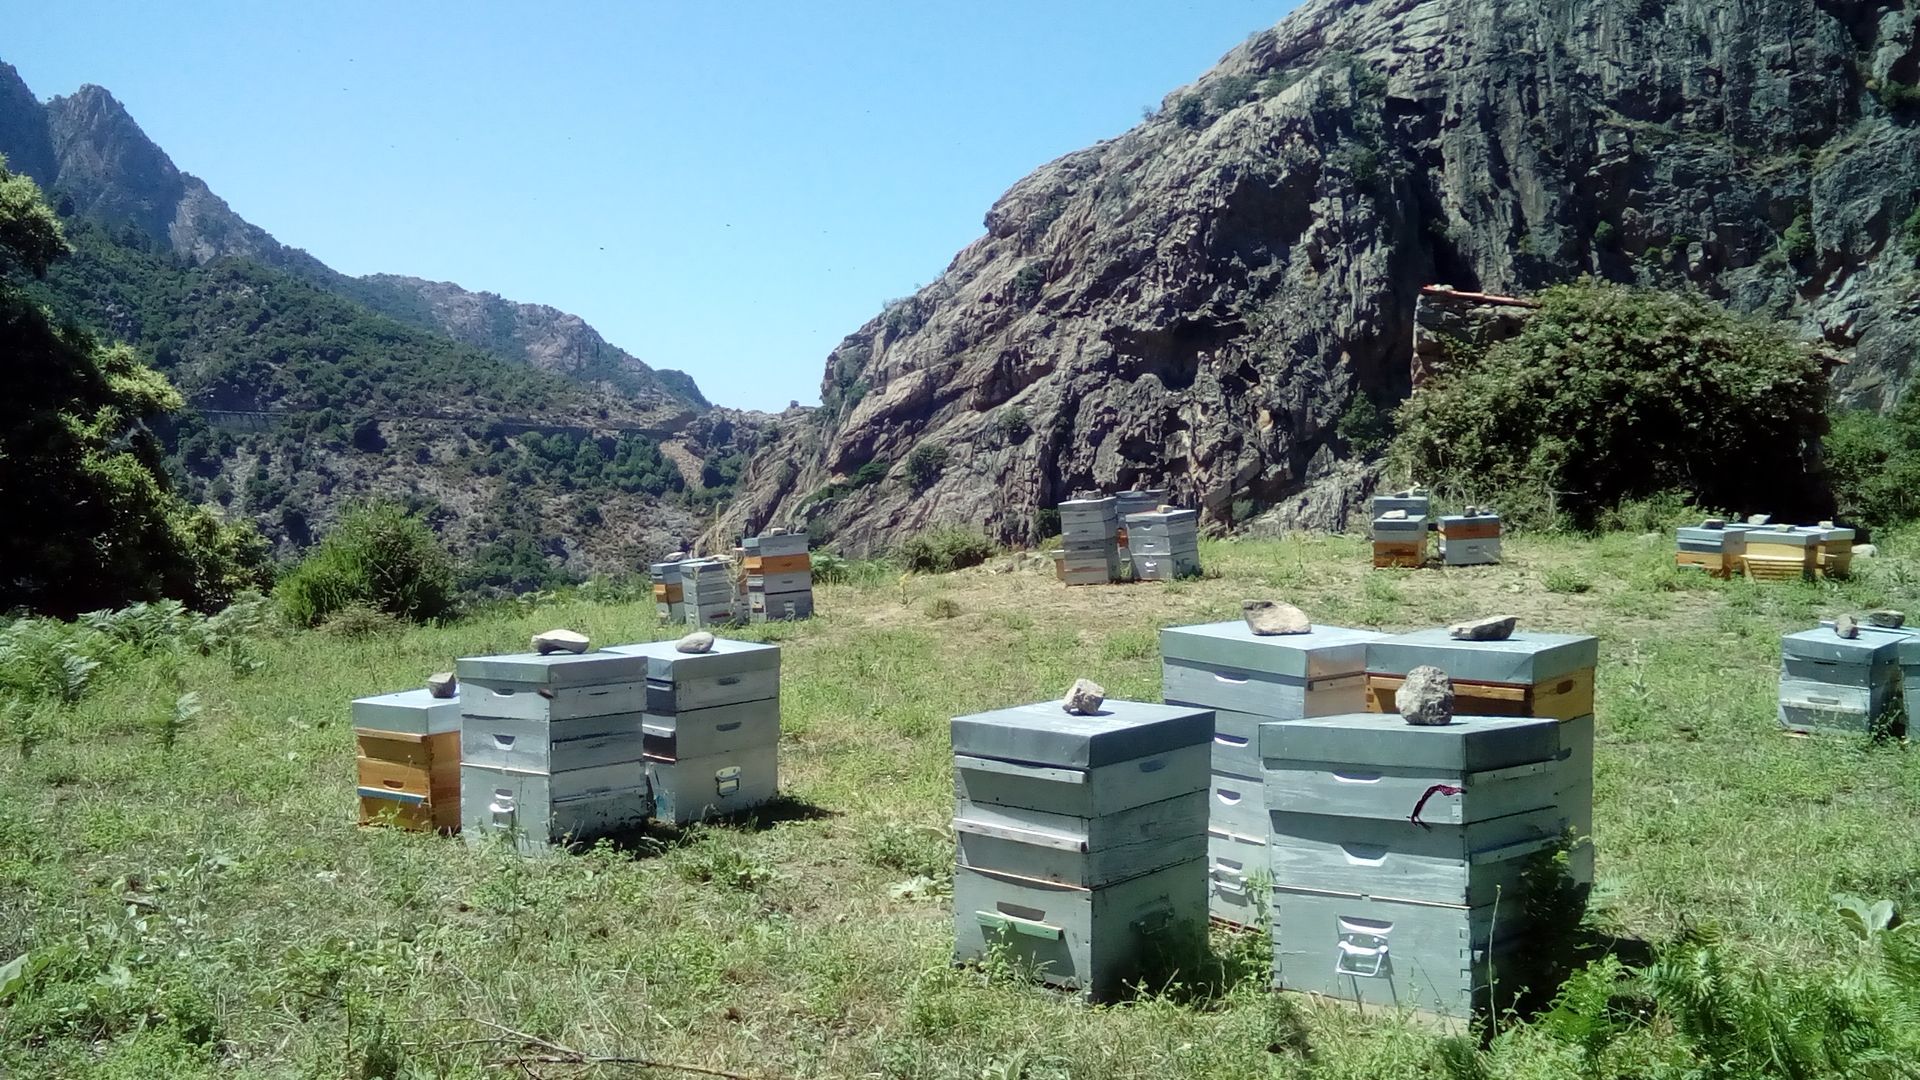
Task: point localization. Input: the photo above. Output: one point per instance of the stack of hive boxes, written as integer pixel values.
(779, 577)
(1164, 544)
(551, 746)
(1713, 546)
(1470, 539)
(1782, 553)
(408, 760)
(1248, 680)
(711, 726)
(1082, 840)
(669, 596)
(1834, 557)
(1128, 503)
(1090, 529)
(1844, 685)
(712, 595)
(1526, 675)
(1400, 540)
(1402, 855)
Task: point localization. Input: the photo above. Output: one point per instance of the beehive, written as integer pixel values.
(1165, 545)
(711, 727)
(1782, 553)
(1081, 840)
(779, 577)
(1470, 539)
(1718, 549)
(1248, 680)
(1399, 542)
(1834, 557)
(408, 760)
(1089, 532)
(712, 592)
(1835, 685)
(1394, 848)
(551, 747)
(1128, 503)
(1414, 502)
(669, 592)
(1530, 674)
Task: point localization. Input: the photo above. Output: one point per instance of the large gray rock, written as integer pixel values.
(1268, 618)
(1425, 699)
(1084, 698)
(1845, 626)
(1491, 628)
(443, 685)
(554, 641)
(1865, 551)
(1887, 619)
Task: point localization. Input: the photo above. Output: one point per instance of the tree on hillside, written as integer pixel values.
(90, 521)
(1613, 393)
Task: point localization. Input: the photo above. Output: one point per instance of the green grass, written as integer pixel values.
(212, 910)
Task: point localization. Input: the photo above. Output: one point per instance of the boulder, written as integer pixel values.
(1845, 626)
(1887, 619)
(697, 642)
(443, 685)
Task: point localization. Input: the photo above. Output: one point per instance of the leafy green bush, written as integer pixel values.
(944, 550)
(1230, 90)
(1873, 463)
(1797, 242)
(871, 472)
(1364, 427)
(925, 462)
(1013, 424)
(378, 556)
(1189, 110)
(1567, 579)
(1028, 281)
(1610, 393)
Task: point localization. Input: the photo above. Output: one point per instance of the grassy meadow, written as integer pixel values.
(194, 898)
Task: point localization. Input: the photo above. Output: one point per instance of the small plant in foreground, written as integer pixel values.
(1568, 580)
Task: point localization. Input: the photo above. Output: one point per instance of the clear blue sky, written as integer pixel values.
(728, 189)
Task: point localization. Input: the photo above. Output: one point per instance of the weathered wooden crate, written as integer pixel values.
(1781, 553)
(1529, 674)
(774, 565)
(1834, 557)
(1563, 698)
(1237, 804)
(1408, 555)
(1095, 941)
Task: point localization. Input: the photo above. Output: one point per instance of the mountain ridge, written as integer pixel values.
(1197, 302)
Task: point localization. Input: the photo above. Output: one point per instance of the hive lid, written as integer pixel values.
(1795, 537)
(1874, 645)
(1046, 734)
(1163, 517)
(1469, 744)
(557, 669)
(661, 661)
(414, 711)
(1526, 658)
(1323, 651)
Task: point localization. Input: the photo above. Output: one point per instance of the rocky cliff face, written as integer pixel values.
(1197, 302)
(86, 148)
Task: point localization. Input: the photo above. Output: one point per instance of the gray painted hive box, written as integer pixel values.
(1095, 941)
(1038, 757)
(1526, 659)
(1416, 504)
(1834, 684)
(536, 811)
(1239, 878)
(1406, 530)
(531, 671)
(1394, 859)
(1224, 665)
(1392, 954)
(716, 730)
(696, 788)
(774, 547)
(1087, 853)
(1360, 765)
(411, 712)
(734, 671)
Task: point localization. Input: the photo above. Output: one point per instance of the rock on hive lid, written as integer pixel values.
(1320, 652)
(1526, 658)
(1045, 734)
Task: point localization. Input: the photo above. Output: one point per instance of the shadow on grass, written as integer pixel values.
(655, 838)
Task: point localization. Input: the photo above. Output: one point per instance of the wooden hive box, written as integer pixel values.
(1400, 542)
(1835, 555)
(407, 760)
(1782, 553)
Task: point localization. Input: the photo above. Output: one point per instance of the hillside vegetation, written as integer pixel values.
(188, 895)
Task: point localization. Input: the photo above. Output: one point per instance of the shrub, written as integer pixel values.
(925, 462)
(1566, 579)
(1610, 393)
(1797, 241)
(942, 607)
(944, 550)
(378, 556)
(1189, 110)
(1363, 427)
(1028, 282)
(872, 472)
(1231, 90)
(1013, 424)
(360, 621)
(1873, 463)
